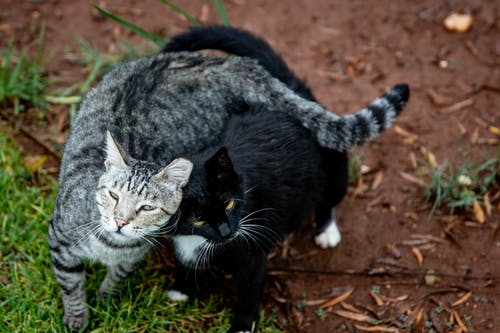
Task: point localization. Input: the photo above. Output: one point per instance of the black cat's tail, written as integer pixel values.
(240, 43)
(357, 128)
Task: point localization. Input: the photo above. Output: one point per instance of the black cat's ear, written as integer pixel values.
(221, 175)
(222, 160)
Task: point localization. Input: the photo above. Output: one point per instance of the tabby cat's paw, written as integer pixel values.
(76, 322)
(177, 296)
(329, 238)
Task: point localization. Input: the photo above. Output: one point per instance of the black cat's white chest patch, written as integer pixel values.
(187, 247)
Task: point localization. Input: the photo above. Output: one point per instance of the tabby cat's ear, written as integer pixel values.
(115, 155)
(178, 172)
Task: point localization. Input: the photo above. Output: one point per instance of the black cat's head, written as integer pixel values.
(213, 208)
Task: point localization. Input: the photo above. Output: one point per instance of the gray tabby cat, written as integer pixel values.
(112, 205)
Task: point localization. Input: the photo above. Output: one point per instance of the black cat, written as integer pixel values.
(266, 178)
(244, 44)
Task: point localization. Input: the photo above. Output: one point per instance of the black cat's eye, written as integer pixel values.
(147, 208)
(230, 205)
(199, 223)
(113, 195)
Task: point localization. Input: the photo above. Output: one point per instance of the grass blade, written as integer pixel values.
(190, 18)
(138, 30)
(222, 13)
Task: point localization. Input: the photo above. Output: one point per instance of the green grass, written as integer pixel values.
(159, 40)
(29, 295)
(458, 188)
(97, 64)
(356, 159)
(21, 81)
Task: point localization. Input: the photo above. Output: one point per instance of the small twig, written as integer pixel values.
(25, 132)
(280, 271)
(482, 87)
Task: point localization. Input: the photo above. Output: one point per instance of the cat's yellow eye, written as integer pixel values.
(148, 208)
(199, 223)
(230, 205)
(113, 195)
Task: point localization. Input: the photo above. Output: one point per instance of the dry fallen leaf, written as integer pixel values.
(460, 126)
(413, 160)
(462, 299)
(474, 136)
(429, 156)
(409, 137)
(487, 204)
(411, 178)
(315, 302)
(377, 180)
(338, 299)
(354, 316)
(349, 307)
(495, 130)
(458, 106)
(377, 328)
(459, 321)
(420, 258)
(205, 13)
(458, 22)
(35, 162)
(478, 212)
(378, 300)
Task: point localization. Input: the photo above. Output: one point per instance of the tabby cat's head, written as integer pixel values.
(136, 200)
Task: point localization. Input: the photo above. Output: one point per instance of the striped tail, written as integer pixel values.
(355, 129)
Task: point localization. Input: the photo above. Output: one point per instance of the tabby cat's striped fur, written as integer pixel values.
(158, 108)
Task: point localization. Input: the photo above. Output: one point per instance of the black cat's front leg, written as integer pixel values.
(184, 286)
(249, 277)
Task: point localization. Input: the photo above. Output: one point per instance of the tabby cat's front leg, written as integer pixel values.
(70, 275)
(250, 283)
(112, 283)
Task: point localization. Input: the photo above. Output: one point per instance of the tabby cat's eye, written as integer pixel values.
(230, 205)
(113, 195)
(148, 208)
(199, 223)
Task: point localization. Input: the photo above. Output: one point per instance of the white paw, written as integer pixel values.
(177, 296)
(328, 238)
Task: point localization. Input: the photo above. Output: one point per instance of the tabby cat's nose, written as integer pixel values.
(120, 223)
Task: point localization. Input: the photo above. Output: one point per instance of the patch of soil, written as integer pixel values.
(349, 52)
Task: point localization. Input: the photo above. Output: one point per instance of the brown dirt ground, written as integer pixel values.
(349, 52)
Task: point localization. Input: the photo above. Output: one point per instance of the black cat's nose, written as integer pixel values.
(224, 229)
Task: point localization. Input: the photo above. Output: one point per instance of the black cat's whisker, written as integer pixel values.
(242, 222)
(250, 189)
(255, 212)
(253, 239)
(261, 233)
(266, 228)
